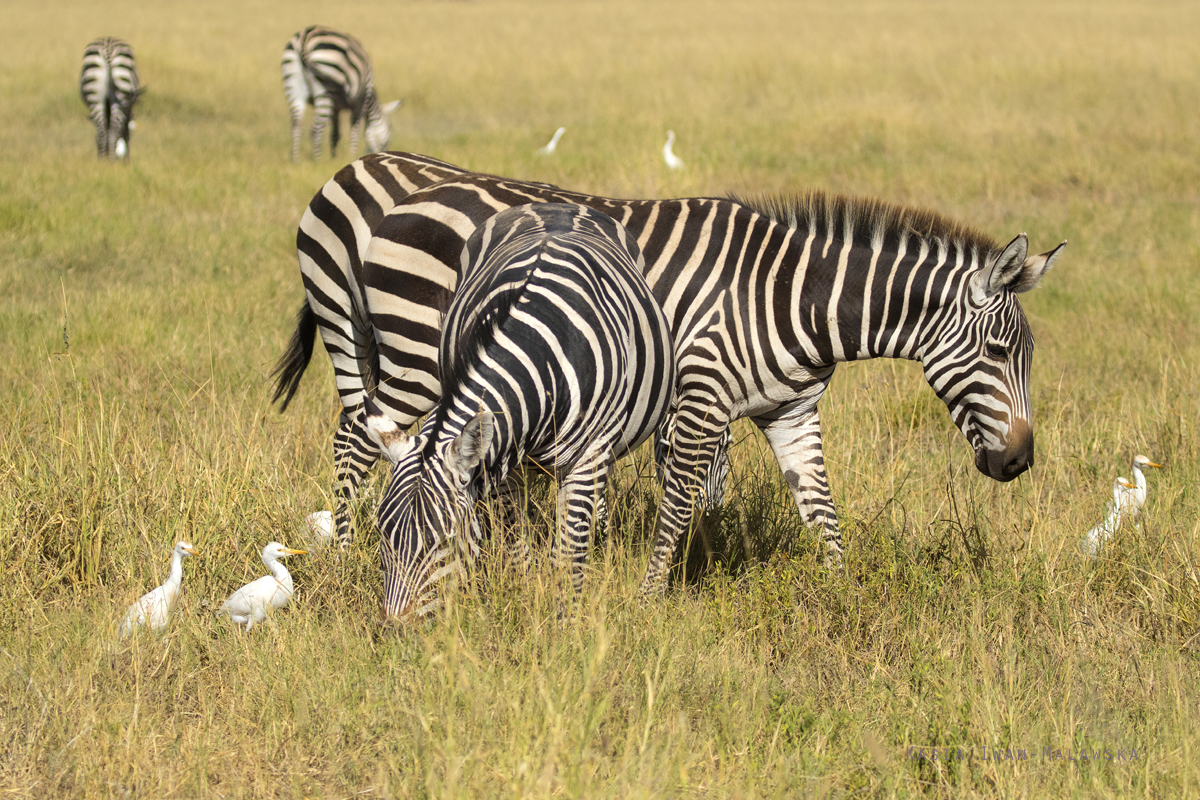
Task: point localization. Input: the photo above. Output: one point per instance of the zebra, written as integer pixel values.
(109, 86)
(331, 72)
(765, 296)
(554, 351)
(331, 243)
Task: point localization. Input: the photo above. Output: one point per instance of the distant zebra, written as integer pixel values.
(554, 351)
(764, 297)
(108, 84)
(331, 72)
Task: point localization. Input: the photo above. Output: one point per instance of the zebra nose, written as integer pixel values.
(1018, 455)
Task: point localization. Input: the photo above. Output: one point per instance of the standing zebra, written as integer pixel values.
(331, 72)
(764, 298)
(553, 351)
(108, 84)
(331, 244)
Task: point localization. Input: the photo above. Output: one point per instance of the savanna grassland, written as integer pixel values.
(143, 305)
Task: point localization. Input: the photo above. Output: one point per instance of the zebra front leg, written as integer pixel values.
(354, 454)
(794, 433)
(690, 456)
(578, 495)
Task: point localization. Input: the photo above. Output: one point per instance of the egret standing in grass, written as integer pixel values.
(553, 143)
(319, 526)
(673, 161)
(1133, 499)
(250, 603)
(1100, 534)
(155, 607)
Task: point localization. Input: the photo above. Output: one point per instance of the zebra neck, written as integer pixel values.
(859, 300)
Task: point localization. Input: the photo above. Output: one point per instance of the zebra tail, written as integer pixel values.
(294, 361)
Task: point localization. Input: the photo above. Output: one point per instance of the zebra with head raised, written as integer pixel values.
(765, 298)
(108, 84)
(554, 351)
(331, 72)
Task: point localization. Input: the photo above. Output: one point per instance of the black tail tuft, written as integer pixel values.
(295, 359)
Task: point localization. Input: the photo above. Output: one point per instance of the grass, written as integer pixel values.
(143, 305)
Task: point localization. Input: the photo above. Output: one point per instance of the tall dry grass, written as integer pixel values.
(142, 306)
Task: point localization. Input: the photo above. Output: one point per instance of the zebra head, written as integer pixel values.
(378, 129)
(427, 520)
(979, 357)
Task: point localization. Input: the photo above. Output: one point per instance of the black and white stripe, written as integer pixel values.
(331, 72)
(108, 84)
(764, 299)
(554, 351)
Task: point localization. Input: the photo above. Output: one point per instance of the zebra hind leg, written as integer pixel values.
(322, 113)
(579, 494)
(354, 454)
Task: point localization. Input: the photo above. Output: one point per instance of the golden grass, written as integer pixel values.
(142, 306)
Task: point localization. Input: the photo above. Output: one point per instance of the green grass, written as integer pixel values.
(142, 307)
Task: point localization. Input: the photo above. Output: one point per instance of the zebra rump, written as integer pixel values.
(555, 352)
(331, 72)
(108, 84)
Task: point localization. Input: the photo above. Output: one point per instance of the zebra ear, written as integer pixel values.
(383, 431)
(1001, 272)
(1035, 268)
(467, 451)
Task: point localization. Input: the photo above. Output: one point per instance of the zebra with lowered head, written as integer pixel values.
(764, 297)
(554, 352)
(330, 71)
(331, 244)
(108, 84)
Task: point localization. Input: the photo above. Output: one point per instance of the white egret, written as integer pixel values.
(251, 603)
(319, 525)
(673, 161)
(155, 606)
(553, 143)
(1100, 534)
(1134, 499)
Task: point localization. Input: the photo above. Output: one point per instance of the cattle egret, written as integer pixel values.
(553, 143)
(154, 609)
(319, 525)
(251, 603)
(122, 148)
(1100, 534)
(673, 161)
(1133, 500)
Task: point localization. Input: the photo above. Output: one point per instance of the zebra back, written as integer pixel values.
(109, 87)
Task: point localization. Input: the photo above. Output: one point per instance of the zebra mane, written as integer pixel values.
(869, 219)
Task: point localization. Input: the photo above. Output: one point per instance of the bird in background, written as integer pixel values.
(155, 607)
(250, 604)
(1133, 500)
(1100, 534)
(319, 526)
(673, 161)
(553, 143)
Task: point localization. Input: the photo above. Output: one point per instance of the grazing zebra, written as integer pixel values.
(108, 84)
(331, 72)
(331, 244)
(765, 297)
(554, 351)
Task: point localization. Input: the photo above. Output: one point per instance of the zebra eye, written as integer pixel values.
(997, 351)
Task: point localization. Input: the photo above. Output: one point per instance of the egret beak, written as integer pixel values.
(191, 551)
(1152, 464)
(292, 552)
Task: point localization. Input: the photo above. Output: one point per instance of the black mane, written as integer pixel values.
(867, 218)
